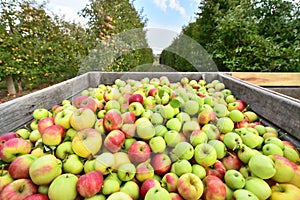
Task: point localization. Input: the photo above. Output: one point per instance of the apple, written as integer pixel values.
(87, 142)
(198, 137)
(149, 102)
(232, 161)
(114, 140)
(274, 140)
(45, 169)
(147, 185)
(119, 196)
(40, 113)
(105, 163)
(258, 187)
(144, 171)
(291, 154)
(111, 93)
(296, 179)
(183, 150)
(161, 163)
(128, 117)
(250, 116)
(129, 130)
(144, 128)
(217, 169)
(72, 164)
(63, 150)
(110, 186)
(13, 148)
(62, 118)
(89, 166)
(234, 179)
(214, 188)
(85, 102)
(172, 138)
(169, 181)
(7, 136)
(121, 158)
(220, 110)
(181, 167)
(175, 196)
(136, 98)
(37, 197)
(285, 169)
(252, 140)
(219, 147)
(245, 153)
(19, 167)
(18, 189)
(34, 136)
(262, 166)
(113, 105)
(128, 142)
(5, 179)
(139, 152)
(44, 123)
(136, 108)
(23, 133)
(232, 140)
(82, 118)
(191, 107)
(243, 194)
(34, 124)
(190, 186)
(236, 116)
(131, 188)
(206, 116)
(112, 120)
(205, 154)
(189, 127)
(284, 191)
(126, 172)
(211, 131)
(63, 187)
(157, 193)
(89, 184)
(157, 144)
(225, 124)
(53, 135)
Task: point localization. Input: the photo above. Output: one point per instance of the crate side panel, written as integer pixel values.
(17, 113)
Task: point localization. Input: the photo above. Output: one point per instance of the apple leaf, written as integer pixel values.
(161, 93)
(175, 103)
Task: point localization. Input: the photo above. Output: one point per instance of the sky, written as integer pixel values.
(165, 17)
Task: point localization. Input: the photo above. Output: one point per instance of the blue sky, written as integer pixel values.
(165, 17)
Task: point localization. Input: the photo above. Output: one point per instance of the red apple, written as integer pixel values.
(129, 130)
(241, 104)
(232, 161)
(7, 136)
(218, 169)
(44, 123)
(18, 190)
(37, 197)
(53, 135)
(161, 163)
(128, 117)
(169, 181)
(215, 189)
(112, 120)
(147, 185)
(152, 92)
(175, 196)
(19, 168)
(85, 102)
(114, 140)
(139, 152)
(136, 98)
(13, 148)
(89, 184)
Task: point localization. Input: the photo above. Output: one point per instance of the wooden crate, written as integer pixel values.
(278, 110)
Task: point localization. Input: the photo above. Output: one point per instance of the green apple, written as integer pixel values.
(174, 124)
(245, 153)
(205, 154)
(112, 104)
(110, 186)
(40, 113)
(89, 166)
(243, 194)
(285, 191)
(23, 133)
(270, 149)
(274, 140)
(5, 178)
(183, 117)
(291, 154)
(219, 147)
(131, 188)
(285, 169)
(232, 140)
(63, 117)
(211, 131)
(72, 164)
(63, 150)
(63, 187)
(251, 116)
(199, 170)
(225, 124)
(230, 98)
(160, 130)
(172, 138)
(262, 166)
(251, 140)
(258, 187)
(220, 110)
(236, 115)
(261, 129)
(157, 144)
(183, 150)
(147, 114)
(234, 179)
(181, 167)
(157, 193)
(156, 119)
(128, 142)
(229, 193)
(189, 127)
(191, 107)
(126, 171)
(34, 136)
(198, 137)
(144, 128)
(96, 197)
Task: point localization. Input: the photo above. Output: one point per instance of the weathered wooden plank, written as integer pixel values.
(269, 79)
(18, 112)
(289, 91)
(281, 110)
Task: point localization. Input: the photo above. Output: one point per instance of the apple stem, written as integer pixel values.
(282, 135)
(279, 187)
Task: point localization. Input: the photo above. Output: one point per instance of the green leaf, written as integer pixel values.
(175, 103)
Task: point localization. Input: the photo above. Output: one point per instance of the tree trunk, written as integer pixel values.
(10, 84)
(20, 88)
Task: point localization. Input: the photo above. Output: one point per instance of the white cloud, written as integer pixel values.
(175, 5)
(161, 4)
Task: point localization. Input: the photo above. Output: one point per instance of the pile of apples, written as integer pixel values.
(149, 139)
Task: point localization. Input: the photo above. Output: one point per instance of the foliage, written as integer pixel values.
(244, 35)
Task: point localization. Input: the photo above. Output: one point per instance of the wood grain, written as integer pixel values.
(269, 79)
